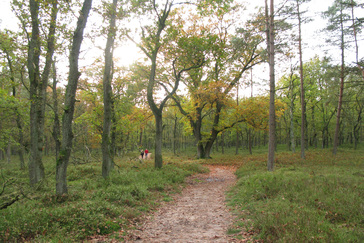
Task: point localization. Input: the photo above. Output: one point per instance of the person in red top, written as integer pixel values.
(146, 153)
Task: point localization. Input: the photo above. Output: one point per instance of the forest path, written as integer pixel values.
(198, 214)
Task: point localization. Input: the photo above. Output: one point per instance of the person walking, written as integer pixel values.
(142, 153)
(146, 153)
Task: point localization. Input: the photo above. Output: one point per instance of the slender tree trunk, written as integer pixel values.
(107, 153)
(141, 137)
(46, 72)
(303, 103)
(237, 132)
(70, 99)
(21, 142)
(272, 127)
(341, 92)
(175, 135)
(291, 108)
(222, 143)
(113, 132)
(8, 151)
(18, 115)
(56, 125)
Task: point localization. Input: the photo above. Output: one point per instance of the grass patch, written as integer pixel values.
(94, 206)
(319, 199)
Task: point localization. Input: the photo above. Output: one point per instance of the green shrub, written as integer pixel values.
(309, 203)
(93, 206)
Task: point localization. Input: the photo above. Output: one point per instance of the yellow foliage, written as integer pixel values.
(255, 110)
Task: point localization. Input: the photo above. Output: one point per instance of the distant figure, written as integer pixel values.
(146, 153)
(142, 153)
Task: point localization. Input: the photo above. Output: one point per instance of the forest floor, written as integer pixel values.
(198, 214)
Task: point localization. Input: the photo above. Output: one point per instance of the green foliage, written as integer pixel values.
(318, 201)
(94, 205)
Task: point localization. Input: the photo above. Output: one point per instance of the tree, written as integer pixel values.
(38, 86)
(210, 86)
(289, 81)
(272, 117)
(69, 104)
(337, 18)
(107, 153)
(15, 65)
(153, 40)
(303, 102)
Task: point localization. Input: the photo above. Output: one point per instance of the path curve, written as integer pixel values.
(198, 214)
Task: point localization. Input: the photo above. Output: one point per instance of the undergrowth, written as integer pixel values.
(94, 206)
(319, 199)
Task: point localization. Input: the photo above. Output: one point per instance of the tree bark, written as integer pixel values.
(70, 99)
(36, 168)
(222, 143)
(56, 133)
(175, 135)
(158, 138)
(157, 111)
(291, 109)
(272, 126)
(341, 91)
(107, 153)
(303, 103)
(237, 132)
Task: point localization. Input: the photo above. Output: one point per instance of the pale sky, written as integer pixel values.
(311, 31)
(313, 37)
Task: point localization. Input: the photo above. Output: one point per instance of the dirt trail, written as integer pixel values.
(198, 214)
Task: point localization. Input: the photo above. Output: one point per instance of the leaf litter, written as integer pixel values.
(198, 214)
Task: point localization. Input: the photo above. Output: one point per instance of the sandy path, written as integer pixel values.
(198, 214)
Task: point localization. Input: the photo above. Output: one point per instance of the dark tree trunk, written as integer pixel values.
(56, 133)
(222, 143)
(357, 124)
(107, 153)
(36, 168)
(8, 151)
(291, 110)
(250, 141)
(38, 86)
(175, 134)
(70, 99)
(158, 141)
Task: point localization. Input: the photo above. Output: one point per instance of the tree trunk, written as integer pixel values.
(18, 115)
(291, 108)
(175, 135)
(341, 92)
(107, 153)
(36, 168)
(357, 124)
(250, 142)
(56, 133)
(158, 141)
(237, 132)
(222, 143)
(270, 38)
(113, 132)
(8, 151)
(303, 103)
(70, 99)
